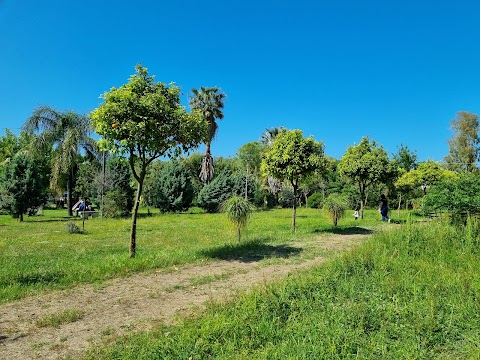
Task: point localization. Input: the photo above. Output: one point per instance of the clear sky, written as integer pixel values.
(396, 71)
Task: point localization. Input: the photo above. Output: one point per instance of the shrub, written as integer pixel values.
(218, 190)
(72, 228)
(285, 197)
(315, 201)
(173, 190)
(115, 204)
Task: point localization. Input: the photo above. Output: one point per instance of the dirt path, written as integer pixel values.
(138, 302)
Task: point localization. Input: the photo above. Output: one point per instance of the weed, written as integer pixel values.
(60, 318)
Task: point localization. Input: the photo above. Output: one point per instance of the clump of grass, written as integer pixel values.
(60, 318)
(73, 228)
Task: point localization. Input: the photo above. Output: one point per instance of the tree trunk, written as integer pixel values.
(238, 235)
(69, 192)
(20, 217)
(136, 205)
(294, 219)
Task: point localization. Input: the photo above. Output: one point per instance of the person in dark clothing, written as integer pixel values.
(384, 208)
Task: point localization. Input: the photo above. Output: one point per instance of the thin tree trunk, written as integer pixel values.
(294, 219)
(133, 233)
(20, 217)
(69, 192)
(238, 234)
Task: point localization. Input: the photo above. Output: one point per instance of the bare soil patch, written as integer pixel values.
(139, 302)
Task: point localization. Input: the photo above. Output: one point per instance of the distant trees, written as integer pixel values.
(464, 149)
(144, 119)
(209, 102)
(22, 186)
(291, 158)
(69, 133)
(365, 165)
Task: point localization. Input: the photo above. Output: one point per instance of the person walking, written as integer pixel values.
(355, 214)
(384, 208)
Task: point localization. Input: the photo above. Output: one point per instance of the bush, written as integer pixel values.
(285, 197)
(72, 228)
(174, 189)
(218, 190)
(115, 204)
(315, 201)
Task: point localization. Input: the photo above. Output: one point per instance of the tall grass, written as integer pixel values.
(39, 254)
(411, 293)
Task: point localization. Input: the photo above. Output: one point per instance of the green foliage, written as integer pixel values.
(365, 165)
(458, 195)
(405, 158)
(22, 186)
(335, 205)
(73, 228)
(219, 190)
(174, 190)
(292, 158)
(315, 201)
(464, 149)
(238, 212)
(118, 177)
(209, 103)
(145, 120)
(69, 134)
(115, 204)
(250, 157)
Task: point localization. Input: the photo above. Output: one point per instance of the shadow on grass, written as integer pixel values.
(252, 251)
(354, 230)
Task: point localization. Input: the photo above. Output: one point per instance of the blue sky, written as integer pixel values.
(396, 71)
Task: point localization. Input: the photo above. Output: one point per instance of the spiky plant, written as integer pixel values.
(238, 211)
(335, 205)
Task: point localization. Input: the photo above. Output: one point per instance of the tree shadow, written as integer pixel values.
(354, 230)
(252, 251)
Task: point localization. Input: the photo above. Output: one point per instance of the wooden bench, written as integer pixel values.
(88, 213)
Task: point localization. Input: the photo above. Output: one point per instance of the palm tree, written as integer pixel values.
(209, 101)
(68, 132)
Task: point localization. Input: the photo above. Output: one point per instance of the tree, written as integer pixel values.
(335, 206)
(460, 195)
(209, 102)
(365, 164)
(250, 158)
(145, 120)
(464, 145)
(238, 212)
(69, 133)
(22, 186)
(174, 190)
(405, 158)
(291, 158)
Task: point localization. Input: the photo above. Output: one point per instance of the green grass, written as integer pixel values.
(60, 318)
(39, 254)
(409, 293)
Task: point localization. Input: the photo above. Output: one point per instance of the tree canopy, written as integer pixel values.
(291, 158)
(145, 120)
(365, 164)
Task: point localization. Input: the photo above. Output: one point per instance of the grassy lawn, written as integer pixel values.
(40, 254)
(409, 293)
